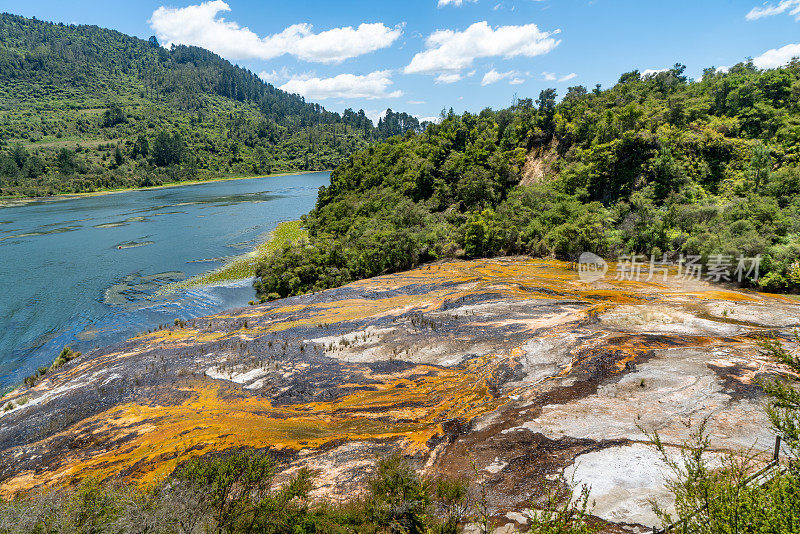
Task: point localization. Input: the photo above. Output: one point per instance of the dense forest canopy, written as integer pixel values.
(85, 108)
(656, 164)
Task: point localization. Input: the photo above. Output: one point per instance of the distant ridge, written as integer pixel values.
(85, 108)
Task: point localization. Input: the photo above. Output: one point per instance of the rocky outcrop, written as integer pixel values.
(513, 372)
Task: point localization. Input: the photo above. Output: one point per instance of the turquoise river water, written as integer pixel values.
(86, 271)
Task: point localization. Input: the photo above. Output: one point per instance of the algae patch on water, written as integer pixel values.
(243, 267)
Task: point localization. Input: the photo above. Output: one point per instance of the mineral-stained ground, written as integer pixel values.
(512, 372)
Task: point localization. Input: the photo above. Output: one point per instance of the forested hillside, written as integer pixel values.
(656, 164)
(85, 108)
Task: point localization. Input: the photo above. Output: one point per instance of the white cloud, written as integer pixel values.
(370, 86)
(275, 76)
(457, 3)
(435, 120)
(493, 77)
(516, 81)
(769, 10)
(416, 102)
(449, 78)
(723, 69)
(452, 77)
(777, 57)
(449, 52)
(201, 25)
(376, 115)
(650, 72)
(552, 77)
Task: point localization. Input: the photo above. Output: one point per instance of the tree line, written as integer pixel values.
(654, 165)
(118, 111)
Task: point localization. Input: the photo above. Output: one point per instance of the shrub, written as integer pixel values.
(239, 495)
(64, 356)
(716, 495)
(398, 498)
(784, 406)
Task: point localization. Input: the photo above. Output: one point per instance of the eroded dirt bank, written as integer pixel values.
(512, 365)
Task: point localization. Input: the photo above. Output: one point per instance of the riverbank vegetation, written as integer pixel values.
(655, 164)
(65, 356)
(84, 109)
(287, 233)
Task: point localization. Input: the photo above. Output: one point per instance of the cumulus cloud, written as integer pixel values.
(493, 77)
(449, 78)
(275, 76)
(452, 77)
(651, 72)
(552, 77)
(777, 57)
(449, 52)
(769, 9)
(201, 25)
(370, 86)
(376, 115)
(457, 3)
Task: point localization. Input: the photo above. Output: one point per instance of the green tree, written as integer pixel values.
(760, 164)
(167, 149)
(119, 157)
(399, 499)
(480, 234)
(141, 147)
(239, 492)
(114, 115)
(8, 167)
(65, 161)
(34, 167)
(547, 108)
(19, 154)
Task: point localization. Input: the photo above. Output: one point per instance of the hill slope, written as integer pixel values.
(85, 108)
(656, 164)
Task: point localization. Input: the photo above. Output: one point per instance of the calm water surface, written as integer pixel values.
(85, 272)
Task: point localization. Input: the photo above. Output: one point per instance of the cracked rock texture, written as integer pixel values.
(515, 365)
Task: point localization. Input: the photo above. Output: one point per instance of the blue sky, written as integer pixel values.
(424, 55)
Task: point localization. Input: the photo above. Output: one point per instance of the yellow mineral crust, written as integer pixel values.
(156, 438)
(525, 306)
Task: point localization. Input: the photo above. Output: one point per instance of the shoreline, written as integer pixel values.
(242, 267)
(4, 201)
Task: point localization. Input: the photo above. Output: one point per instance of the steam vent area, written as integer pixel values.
(515, 366)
